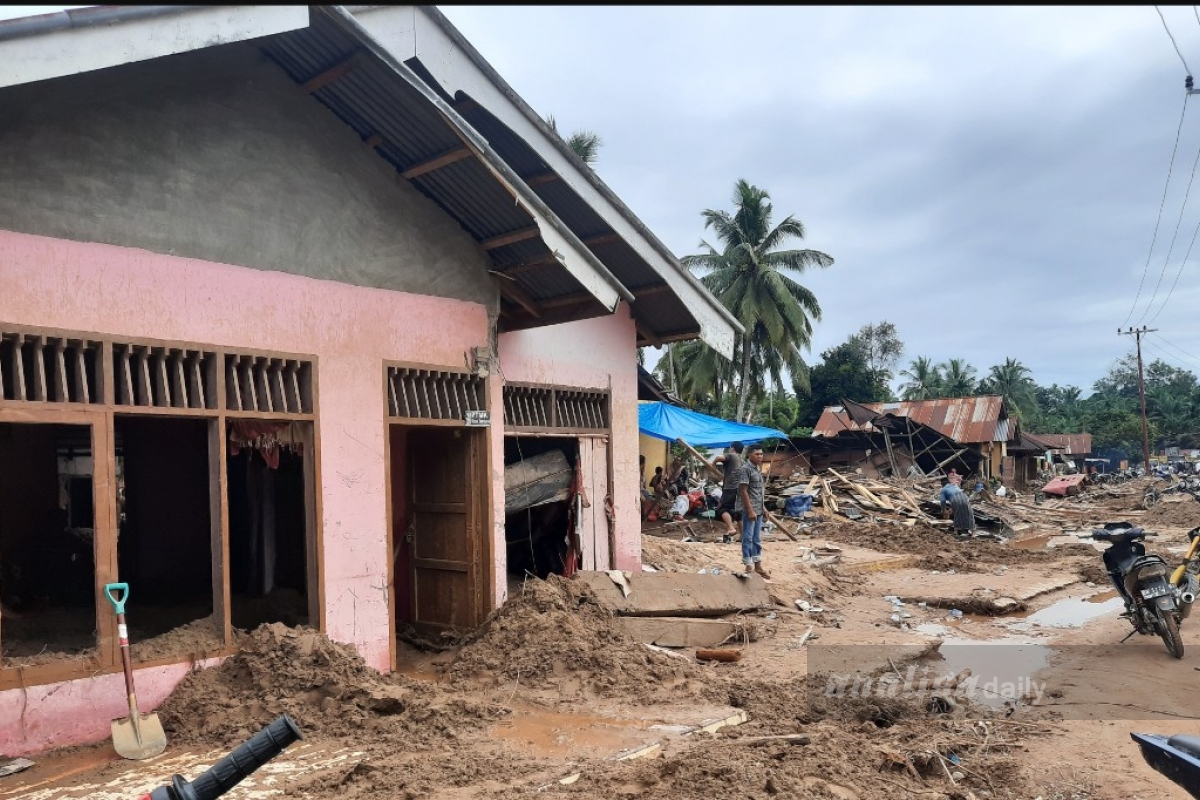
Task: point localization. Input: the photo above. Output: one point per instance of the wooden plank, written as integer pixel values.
(712, 470)
(678, 594)
(651, 291)
(60, 392)
(179, 388)
(39, 368)
(196, 382)
(596, 241)
(779, 524)
(437, 162)
(330, 75)
(679, 631)
(811, 485)
(218, 514)
(512, 237)
(18, 350)
(233, 384)
(161, 380)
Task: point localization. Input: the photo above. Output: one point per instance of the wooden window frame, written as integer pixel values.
(101, 413)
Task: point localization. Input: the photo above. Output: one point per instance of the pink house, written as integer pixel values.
(283, 290)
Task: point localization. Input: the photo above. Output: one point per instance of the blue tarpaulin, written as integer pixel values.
(663, 421)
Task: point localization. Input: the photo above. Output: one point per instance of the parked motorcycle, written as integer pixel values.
(1177, 757)
(1153, 604)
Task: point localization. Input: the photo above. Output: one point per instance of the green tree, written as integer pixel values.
(924, 380)
(585, 143)
(1060, 410)
(842, 374)
(958, 378)
(1011, 380)
(752, 277)
(882, 349)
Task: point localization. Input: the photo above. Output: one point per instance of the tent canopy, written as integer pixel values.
(667, 422)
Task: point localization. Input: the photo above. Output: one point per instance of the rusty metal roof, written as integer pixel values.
(1077, 444)
(969, 420)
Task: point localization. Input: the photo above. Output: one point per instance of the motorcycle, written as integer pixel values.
(1154, 604)
(1177, 757)
(230, 770)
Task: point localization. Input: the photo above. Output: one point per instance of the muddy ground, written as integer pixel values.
(542, 700)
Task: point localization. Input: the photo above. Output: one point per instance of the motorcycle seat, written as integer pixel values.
(1119, 536)
(1187, 742)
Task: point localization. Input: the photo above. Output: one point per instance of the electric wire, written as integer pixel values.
(1161, 205)
(1172, 38)
(1178, 223)
(1163, 340)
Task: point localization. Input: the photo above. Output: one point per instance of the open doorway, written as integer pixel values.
(47, 542)
(438, 495)
(269, 527)
(539, 520)
(164, 545)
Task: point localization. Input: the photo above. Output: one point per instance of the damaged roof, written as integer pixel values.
(1076, 444)
(970, 420)
(563, 246)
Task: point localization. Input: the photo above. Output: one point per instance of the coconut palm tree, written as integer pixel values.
(958, 378)
(585, 143)
(924, 380)
(753, 278)
(1011, 379)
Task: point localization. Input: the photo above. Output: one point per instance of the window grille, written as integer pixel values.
(546, 407)
(48, 369)
(151, 376)
(263, 383)
(433, 394)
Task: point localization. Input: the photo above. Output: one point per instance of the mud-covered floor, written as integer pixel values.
(551, 690)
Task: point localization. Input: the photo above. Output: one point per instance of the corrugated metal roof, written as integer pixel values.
(970, 420)
(375, 100)
(1071, 443)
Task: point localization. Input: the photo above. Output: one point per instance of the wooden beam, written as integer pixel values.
(578, 298)
(512, 237)
(330, 75)
(542, 178)
(647, 334)
(650, 291)
(437, 162)
(373, 141)
(516, 294)
(607, 238)
(464, 105)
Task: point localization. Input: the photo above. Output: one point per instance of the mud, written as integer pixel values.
(557, 634)
(197, 639)
(326, 687)
(1173, 511)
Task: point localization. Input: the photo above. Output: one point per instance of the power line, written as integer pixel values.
(1172, 38)
(1174, 346)
(1171, 249)
(1162, 204)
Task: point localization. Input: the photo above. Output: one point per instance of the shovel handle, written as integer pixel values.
(118, 603)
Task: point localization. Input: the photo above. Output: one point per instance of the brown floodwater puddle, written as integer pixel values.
(555, 734)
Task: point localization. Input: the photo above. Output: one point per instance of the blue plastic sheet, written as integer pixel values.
(668, 422)
(797, 505)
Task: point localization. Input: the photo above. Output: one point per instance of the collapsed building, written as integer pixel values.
(972, 435)
(283, 292)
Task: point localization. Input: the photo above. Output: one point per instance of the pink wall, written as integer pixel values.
(592, 353)
(126, 292)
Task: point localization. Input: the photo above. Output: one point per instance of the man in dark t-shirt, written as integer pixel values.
(731, 463)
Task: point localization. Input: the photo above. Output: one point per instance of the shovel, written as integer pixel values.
(138, 736)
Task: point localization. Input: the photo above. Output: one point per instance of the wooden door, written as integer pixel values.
(593, 521)
(444, 554)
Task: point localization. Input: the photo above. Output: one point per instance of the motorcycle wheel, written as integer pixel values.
(1168, 629)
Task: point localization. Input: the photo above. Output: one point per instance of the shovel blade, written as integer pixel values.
(139, 741)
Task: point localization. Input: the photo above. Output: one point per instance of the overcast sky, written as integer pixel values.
(988, 179)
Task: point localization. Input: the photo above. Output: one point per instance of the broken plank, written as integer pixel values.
(779, 524)
(719, 655)
(708, 465)
(679, 631)
(678, 594)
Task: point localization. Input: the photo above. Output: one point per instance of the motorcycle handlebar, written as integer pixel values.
(230, 770)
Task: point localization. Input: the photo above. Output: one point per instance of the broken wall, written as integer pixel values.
(598, 354)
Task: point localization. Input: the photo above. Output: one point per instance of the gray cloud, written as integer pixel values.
(987, 178)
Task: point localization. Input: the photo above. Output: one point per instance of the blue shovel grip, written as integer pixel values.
(118, 604)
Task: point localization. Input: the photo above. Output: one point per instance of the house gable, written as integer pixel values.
(219, 155)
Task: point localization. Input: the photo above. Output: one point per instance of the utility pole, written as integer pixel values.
(1138, 333)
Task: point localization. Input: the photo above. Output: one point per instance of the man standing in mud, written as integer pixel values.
(750, 505)
(731, 463)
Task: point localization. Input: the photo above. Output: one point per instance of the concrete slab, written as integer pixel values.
(679, 594)
(679, 631)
